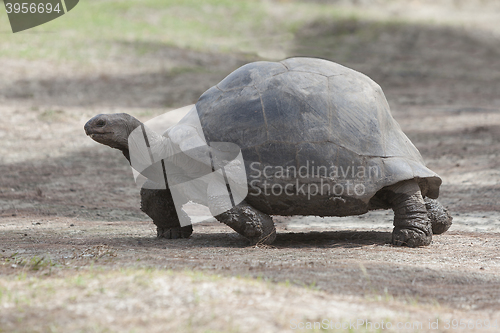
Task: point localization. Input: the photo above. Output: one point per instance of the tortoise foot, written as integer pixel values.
(251, 223)
(174, 232)
(260, 231)
(410, 237)
(441, 219)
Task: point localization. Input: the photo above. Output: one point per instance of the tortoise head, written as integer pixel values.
(112, 129)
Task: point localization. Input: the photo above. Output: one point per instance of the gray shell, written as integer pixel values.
(316, 116)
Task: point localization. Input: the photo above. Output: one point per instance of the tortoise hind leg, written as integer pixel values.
(441, 219)
(158, 204)
(412, 226)
(250, 223)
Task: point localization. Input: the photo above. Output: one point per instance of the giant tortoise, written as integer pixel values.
(317, 138)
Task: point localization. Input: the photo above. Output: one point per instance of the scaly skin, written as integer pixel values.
(249, 222)
(159, 206)
(412, 226)
(441, 219)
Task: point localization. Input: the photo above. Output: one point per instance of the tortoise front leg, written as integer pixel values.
(412, 226)
(159, 206)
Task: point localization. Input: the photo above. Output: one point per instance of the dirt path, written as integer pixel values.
(119, 270)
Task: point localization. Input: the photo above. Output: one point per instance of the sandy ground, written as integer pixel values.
(76, 253)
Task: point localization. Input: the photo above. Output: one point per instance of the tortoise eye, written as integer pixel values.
(100, 123)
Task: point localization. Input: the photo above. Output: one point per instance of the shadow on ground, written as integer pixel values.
(91, 183)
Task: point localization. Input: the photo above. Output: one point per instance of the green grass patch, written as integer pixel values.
(96, 30)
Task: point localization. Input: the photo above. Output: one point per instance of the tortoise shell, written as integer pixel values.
(305, 125)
